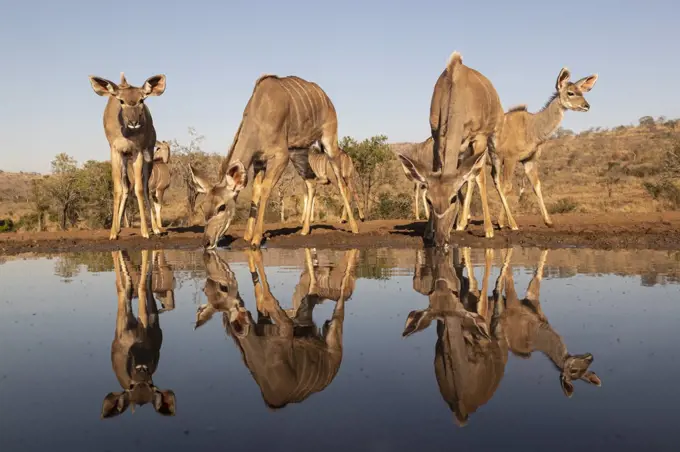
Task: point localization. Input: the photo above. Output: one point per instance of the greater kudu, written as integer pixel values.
(465, 112)
(470, 357)
(131, 135)
(135, 350)
(159, 181)
(524, 134)
(289, 358)
(320, 165)
(282, 114)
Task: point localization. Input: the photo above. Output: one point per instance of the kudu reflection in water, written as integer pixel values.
(475, 331)
(135, 350)
(287, 355)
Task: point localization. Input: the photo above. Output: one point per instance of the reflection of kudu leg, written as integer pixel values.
(265, 301)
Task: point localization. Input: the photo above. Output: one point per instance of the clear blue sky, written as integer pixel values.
(377, 60)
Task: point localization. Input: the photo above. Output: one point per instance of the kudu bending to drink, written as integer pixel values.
(287, 355)
(131, 135)
(465, 112)
(135, 350)
(159, 181)
(282, 114)
(475, 332)
(320, 165)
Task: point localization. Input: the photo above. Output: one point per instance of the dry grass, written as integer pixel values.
(595, 171)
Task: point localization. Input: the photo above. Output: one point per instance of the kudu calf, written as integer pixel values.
(159, 181)
(287, 355)
(320, 166)
(283, 113)
(525, 133)
(131, 135)
(465, 112)
(135, 350)
(475, 331)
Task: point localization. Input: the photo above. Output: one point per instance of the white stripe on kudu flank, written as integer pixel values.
(292, 101)
(305, 91)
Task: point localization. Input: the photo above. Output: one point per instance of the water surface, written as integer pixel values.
(379, 350)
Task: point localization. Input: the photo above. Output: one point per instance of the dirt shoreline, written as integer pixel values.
(660, 231)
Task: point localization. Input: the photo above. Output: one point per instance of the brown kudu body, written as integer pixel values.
(465, 113)
(320, 165)
(282, 114)
(287, 355)
(159, 181)
(475, 331)
(135, 350)
(129, 129)
(524, 134)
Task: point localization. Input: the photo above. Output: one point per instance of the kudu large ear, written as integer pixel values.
(416, 321)
(164, 402)
(115, 403)
(103, 87)
(154, 85)
(234, 178)
(200, 181)
(472, 166)
(567, 386)
(416, 174)
(591, 378)
(562, 79)
(586, 83)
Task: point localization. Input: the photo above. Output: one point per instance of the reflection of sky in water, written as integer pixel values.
(55, 370)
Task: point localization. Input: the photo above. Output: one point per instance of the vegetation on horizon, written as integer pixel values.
(625, 169)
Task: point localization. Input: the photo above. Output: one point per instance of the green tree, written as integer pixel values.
(370, 158)
(64, 189)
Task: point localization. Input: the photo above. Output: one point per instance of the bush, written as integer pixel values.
(391, 207)
(6, 225)
(564, 205)
(665, 191)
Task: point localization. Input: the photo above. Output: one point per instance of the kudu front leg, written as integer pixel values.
(254, 204)
(120, 191)
(138, 168)
(275, 168)
(309, 204)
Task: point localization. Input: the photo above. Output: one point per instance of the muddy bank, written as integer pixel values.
(610, 231)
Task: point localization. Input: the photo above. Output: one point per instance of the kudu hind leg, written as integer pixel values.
(497, 168)
(275, 168)
(309, 204)
(330, 146)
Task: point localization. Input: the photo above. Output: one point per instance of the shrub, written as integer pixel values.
(563, 205)
(6, 225)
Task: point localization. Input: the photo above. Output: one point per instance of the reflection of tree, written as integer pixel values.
(68, 266)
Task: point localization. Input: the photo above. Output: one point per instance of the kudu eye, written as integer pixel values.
(570, 93)
(122, 102)
(221, 208)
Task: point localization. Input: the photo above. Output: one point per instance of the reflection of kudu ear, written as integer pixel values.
(416, 321)
(154, 85)
(115, 403)
(164, 402)
(586, 83)
(562, 79)
(416, 173)
(591, 378)
(567, 386)
(234, 178)
(200, 181)
(103, 87)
